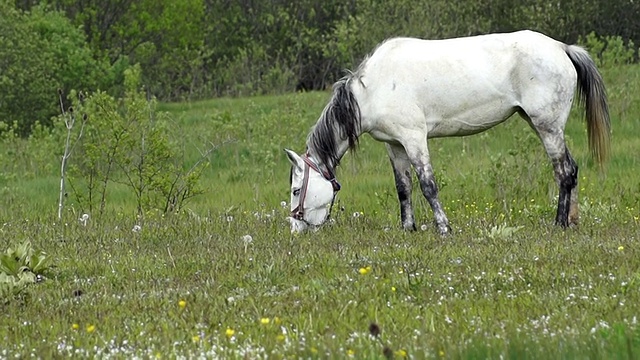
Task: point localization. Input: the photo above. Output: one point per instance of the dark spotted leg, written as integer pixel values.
(419, 156)
(566, 174)
(402, 174)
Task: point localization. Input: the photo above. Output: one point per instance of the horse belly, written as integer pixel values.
(463, 121)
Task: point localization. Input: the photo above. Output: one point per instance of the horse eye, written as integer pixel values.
(296, 192)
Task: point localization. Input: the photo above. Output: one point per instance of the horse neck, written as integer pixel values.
(342, 145)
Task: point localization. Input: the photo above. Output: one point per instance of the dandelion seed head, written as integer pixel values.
(283, 204)
(423, 227)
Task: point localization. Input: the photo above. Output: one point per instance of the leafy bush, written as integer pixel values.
(609, 51)
(128, 142)
(40, 52)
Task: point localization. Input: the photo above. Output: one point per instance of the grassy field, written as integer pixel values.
(225, 279)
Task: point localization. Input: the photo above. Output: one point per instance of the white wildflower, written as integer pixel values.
(83, 219)
(247, 240)
(136, 228)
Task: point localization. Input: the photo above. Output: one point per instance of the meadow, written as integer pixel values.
(224, 278)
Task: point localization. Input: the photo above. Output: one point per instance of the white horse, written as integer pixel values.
(409, 90)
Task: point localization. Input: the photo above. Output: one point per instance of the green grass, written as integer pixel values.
(539, 292)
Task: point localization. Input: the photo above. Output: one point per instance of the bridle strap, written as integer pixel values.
(331, 178)
(298, 212)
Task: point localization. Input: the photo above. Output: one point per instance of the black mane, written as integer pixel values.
(341, 115)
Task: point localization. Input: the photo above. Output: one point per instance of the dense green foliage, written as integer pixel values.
(41, 52)
(215, 47)
(194, 49)
(223, 278)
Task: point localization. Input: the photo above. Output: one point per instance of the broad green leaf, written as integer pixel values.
(9, 265)
(39, 263)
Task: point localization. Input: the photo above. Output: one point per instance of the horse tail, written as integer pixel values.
(593, 96)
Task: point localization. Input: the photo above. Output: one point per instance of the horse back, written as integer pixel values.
(460, 86)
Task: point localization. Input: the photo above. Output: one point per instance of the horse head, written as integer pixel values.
(313, 192)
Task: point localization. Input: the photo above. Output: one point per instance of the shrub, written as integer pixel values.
(609, 51)
(40, 52)
(128, 142)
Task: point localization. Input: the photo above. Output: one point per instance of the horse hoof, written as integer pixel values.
(444, 230)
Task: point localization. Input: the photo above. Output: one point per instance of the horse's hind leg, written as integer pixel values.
(419, 155)
(566, 174)
(402, 174)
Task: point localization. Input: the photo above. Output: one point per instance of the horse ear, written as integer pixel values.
(295, 159)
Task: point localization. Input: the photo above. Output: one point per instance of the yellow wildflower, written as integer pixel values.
(75, 326)
(195, 338)
(230, 332)
(280, 337)
(351, 353)
(91, 328)
(265, 321)
(365, 270)
(401, 353)
(620, 248)
(182, 304)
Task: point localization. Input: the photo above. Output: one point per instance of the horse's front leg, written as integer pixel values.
(402, 174)
(419, 155)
